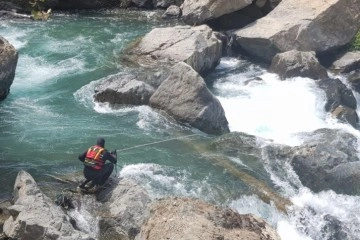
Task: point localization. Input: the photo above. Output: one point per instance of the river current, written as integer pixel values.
(50, 117)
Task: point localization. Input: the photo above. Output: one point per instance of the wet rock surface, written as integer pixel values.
(327, 160)
(8, 62)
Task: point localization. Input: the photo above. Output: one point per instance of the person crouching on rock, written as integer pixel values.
(96, 171)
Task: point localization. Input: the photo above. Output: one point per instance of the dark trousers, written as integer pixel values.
(99, 177)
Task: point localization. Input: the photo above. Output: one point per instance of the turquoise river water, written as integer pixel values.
(49, 118)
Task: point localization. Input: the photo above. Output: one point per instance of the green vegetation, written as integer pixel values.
(356, 44)
(37, 10)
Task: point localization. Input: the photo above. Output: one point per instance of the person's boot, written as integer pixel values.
(83, 185)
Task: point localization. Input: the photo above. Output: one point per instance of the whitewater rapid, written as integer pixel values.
(51, 105)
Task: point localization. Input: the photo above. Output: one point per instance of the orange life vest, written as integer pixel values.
(94, 157)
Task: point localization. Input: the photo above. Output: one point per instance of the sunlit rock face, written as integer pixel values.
(8, 62)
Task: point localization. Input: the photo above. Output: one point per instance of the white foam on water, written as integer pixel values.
(156, 179)
(282, 111)
(74, 45)
(161, 181)
(311, 213)
(85, 217)
(16, 36)
(252, 204)
(287, 231)
(32, 71)
(271, 108)
(148, 119)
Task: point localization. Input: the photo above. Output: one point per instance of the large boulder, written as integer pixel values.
(8, 62)
(348, 62)
(184, 218)
(123, 89)
(125, 210)
(328, 159)
(35, 216)
(297, 64)
(305, 25)
(340, 101)
(196, 46)
(185, 96)
(198, 12)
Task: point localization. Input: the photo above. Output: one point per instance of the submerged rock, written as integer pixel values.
(297, 64)
(184, 218)
(35, 216)
(197, 46)
(185, 96)
(237, 143)
(305, 25)
(8, 62)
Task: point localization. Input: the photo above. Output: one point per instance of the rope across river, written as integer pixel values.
(152, 143)
(148, 144)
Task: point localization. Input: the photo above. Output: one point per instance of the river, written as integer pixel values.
(49, 118)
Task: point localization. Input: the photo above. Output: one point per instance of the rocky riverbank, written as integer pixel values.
(306, 38)
(123, 210)
(306, 45)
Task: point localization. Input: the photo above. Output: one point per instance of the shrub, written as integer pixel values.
(356, 44)
(37, 10)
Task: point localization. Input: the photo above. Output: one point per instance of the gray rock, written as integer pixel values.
(305, 25)
(143, 3)
(4, 213)
(123, 89)
(340, 100)
(125, 3)
(354, 80)
(35, 216)
(327, 160)
(184, 218)
(246, 148)
(198, 12)
(350, 61)
(196, 46)
(346, 115)
(125, 211)
(260, 3)
(237, 143)
(172, 12)
(167, 3)
(8, 62)
(185, 96)
(236, 20)
(297, 64)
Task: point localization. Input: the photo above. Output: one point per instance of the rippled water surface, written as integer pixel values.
(49, 118)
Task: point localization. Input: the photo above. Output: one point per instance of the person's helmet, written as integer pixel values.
(100, 142)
